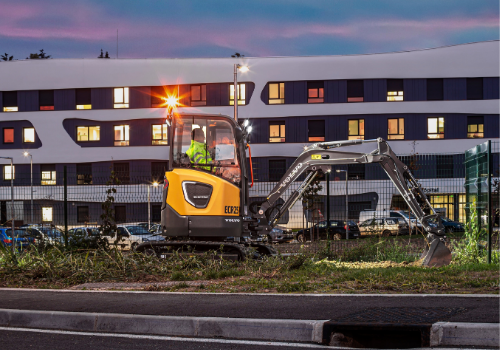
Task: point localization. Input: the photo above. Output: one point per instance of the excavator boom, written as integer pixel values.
(320, 157)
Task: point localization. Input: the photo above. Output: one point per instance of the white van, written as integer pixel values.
(370, 214)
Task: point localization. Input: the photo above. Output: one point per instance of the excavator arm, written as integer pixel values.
(320, 157)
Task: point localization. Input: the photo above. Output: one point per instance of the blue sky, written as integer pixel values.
(218, 28)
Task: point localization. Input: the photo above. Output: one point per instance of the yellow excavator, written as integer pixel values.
(205, 203)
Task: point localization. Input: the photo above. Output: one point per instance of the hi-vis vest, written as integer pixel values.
(198, 154)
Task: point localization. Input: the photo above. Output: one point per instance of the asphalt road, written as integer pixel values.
(478, 309)
(15, 340)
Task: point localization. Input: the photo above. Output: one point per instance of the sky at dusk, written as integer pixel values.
(217, 28)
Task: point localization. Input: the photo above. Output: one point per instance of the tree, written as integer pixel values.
(6, 57)
(42, 54)
(237, 54)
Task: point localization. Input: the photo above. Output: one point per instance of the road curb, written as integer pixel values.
(233, 328)
(465, 334)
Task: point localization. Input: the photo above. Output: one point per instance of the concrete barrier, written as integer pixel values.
(234, 328)
(465, 334)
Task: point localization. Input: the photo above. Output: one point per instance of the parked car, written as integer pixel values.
(378, 214)
(84, 236)
(19, 238)
(44, 234)
(337, 230)
(280, 235)
(451, 226)
(384, 227)
(130, 236)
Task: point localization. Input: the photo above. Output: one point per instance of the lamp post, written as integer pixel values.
(26, 154)
(242, 69)
(155, 184)
(346, 203)
(12, 201)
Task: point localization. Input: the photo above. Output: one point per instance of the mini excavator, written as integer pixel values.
(205, 203)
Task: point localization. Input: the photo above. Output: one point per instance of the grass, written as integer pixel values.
(373, 266)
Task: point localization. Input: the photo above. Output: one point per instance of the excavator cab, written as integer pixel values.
(205, 185)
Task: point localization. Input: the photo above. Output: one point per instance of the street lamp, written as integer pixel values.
(12, 201)
(26, 154)
(243, 69)
(346, 203)
(155, 184)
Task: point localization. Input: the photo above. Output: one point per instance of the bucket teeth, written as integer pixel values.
(436, 254)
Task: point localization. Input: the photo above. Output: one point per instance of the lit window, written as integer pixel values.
(9, 99)
(315, 92)
(28, 135)
(198, 95)
(121, 135)
(435, 128)
(88, 133)
(46, 214)
(8, 172)
(8, 135)
(396, 129)
(356, 129)
(276, 93)
(277, 132)
(83, 106)
(241, 94)
(46, 100)
(316, 130)
(10, 109)
(121, 97)
(48, 177)
(83, 99)
(160, 134)
(395, 90)
(355, 91)
(475, 127)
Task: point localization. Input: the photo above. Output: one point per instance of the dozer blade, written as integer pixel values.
(436, 254)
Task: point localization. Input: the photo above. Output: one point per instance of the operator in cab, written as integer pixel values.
(197, 152)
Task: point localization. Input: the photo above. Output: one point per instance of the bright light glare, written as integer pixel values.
(245, 123)
(155, 184)
(171, 101)
(249, 129)
(243, 69)
(26, 154)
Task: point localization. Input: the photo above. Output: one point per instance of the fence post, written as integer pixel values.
(328, 210)
(489, 172)
(65, 206)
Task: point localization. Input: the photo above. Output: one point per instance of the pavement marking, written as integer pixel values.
(252, 294)
(167, 338)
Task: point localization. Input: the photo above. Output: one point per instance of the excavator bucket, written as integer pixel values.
(436, 254)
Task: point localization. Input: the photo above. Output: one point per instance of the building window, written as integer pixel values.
(46, 214)
(474, 88)
(356, 129)
(8, 135)
(276, 93)
(158, 170)
(395, 90)
(276, 131)
(435, 89)
(120, 97)
(198, 95)
(157, 96)
(444, 166)
(156, 213)
(435, 128)
(277, 168)
(316, 130)
(445, 203)
(355, 91)
(48, 174)
(120, 213)
(122, 172)
(160, 134)
(83, 99)
(356, 171)
(9, 99)
(241, 94)
(88, 133)
(82, 214)
(46, 100)
(315, 92)
(396, 129)
(28, 135)
(84, 174)
(475, 127)
(9, 173)
(121, 135)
